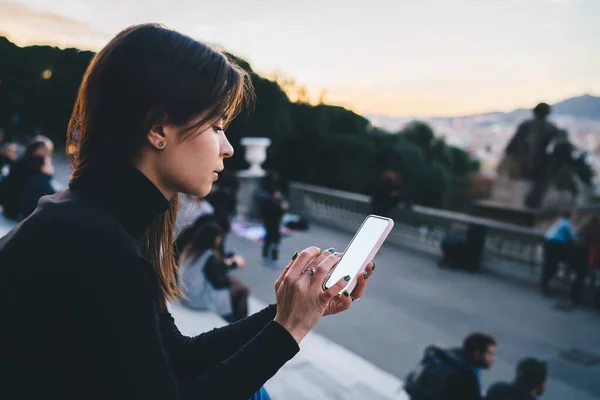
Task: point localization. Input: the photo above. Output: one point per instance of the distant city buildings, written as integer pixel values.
(486, 136)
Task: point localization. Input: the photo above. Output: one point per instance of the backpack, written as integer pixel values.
(429, 379)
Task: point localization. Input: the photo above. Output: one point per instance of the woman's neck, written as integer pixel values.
(151, 173)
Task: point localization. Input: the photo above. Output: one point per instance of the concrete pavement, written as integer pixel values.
(410, 303)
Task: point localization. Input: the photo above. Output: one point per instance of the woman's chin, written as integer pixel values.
(202, 191)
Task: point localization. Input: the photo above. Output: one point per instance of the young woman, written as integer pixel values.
(86, 277)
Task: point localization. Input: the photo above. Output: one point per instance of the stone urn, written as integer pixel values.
(256, 154)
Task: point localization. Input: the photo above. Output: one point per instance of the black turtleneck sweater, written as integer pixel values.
(78, 304)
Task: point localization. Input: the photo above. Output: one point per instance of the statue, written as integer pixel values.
(538, 155)
(526, 153)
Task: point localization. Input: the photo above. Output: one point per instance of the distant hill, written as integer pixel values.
(585, 106)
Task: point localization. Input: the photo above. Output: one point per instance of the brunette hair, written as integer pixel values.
(146, 76)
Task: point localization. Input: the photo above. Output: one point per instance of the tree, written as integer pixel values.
(323, 144)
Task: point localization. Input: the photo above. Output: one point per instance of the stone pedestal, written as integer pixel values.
(512, 193)
(507, 203)
(526, 217)
(249, 179)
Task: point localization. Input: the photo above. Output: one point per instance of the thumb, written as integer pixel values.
(335, 289)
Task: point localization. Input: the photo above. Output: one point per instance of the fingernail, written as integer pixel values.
(336, 254)
(346, 293)
(295, 256)
(331, 250)
(373, 269)
(347, 278)
(366, 275)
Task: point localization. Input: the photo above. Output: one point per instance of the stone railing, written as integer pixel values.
(507, 249)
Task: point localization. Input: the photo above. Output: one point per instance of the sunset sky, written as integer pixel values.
(394, 57)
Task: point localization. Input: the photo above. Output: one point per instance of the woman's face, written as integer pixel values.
(191, 164)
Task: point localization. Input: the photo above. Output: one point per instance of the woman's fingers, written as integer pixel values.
(297, 266)
(361, 282)
(312, 262)
(319, 259)
(322, 268)
(333, 291)
(285, 271)
(298, 308)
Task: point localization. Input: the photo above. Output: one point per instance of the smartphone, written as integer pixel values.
(361, 250)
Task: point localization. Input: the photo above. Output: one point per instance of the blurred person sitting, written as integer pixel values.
(204, 278)
(452, 374)
(193, 211)
(558, 247)
(8, 155)
(2, 145)
(586, 257)
(529, 383)
(38, 184)
(453, 246)
(220, 200)
(30, 163)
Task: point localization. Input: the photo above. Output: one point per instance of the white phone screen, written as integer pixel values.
(361, 246)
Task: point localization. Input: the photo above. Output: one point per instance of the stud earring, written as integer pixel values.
(161, 144)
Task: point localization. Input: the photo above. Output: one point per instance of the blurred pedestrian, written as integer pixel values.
(388, 193)
(452, 374)
(272, 205)
(529, 382)
(558, 246)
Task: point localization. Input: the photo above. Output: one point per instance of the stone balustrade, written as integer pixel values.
(507, 249)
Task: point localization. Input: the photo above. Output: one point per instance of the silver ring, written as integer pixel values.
(354, 299)
(311, 271)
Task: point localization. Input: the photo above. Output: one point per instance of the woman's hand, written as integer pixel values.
(301, 300)
(343, 302)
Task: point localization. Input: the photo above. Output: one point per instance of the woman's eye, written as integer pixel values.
(218, 129)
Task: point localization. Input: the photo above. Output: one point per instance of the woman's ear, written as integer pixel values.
(157, 137)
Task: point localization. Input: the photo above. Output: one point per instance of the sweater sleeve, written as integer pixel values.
(243, 374)
(191, 356)
(142, 362)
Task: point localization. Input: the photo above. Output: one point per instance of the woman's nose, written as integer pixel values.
(226, 148)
